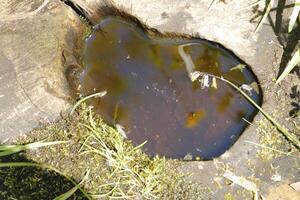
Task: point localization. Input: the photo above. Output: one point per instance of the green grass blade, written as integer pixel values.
(43, 144)
(268, 8)
(96, 95)
(293, 62)
(69, 193)
(28, 164)
(20, 164)
(11, 149)
(4, 147)
(294, 15)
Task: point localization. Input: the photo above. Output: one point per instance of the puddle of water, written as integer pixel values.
(151, 95)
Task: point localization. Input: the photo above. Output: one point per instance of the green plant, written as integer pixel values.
(269, 6)
(117, 169)
(291, 65)
(131, 177)
(6, 150)
(293, 18)
(294, 15)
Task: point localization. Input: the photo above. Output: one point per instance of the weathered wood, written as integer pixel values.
(32, 82)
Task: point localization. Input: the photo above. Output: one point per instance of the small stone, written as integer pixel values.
(276, 178)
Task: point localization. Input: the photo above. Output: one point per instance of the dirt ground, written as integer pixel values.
(31, 93)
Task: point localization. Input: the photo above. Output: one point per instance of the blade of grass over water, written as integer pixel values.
(292, 138)
(43, 166)
(96, 95)
(11, 149)
(267, 10)
(294, 15)
(293, 63)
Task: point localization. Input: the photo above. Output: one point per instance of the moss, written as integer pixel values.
(270, 137)
(29, 183)
(229, 196)
(117, 168)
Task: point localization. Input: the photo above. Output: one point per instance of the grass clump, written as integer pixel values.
(117, 169)
(272, 143)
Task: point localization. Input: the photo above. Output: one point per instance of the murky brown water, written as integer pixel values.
(149, 91)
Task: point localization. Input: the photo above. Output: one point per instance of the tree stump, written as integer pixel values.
(33, 88)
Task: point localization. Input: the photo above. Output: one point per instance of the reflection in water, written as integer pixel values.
(188, 61)
(150, 92)
(225, 102)
(193, 118)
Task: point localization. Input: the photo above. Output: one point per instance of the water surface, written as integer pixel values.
(150, 93)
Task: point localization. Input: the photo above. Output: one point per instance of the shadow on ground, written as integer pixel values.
(289, 43)
(295, 96)
(27, 183)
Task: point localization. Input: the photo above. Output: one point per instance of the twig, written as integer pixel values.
(243, 182)
(272, 149)
(251, 5)
(213, 2)
(23, 15)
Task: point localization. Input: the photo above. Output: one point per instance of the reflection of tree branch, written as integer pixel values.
(189, 64)
(190, 68)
